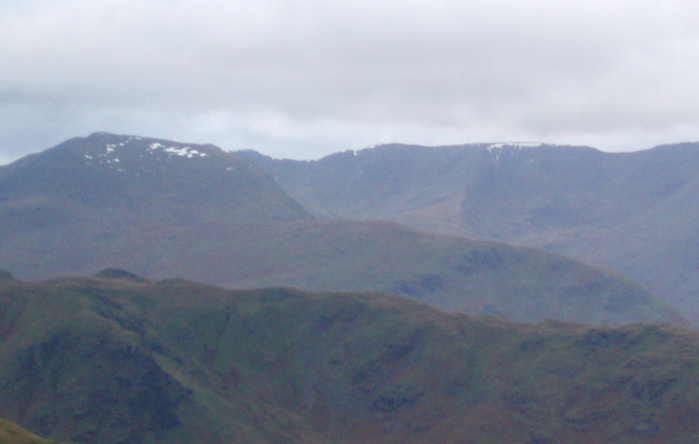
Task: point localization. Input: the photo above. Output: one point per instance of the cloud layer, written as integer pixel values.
(302, 79)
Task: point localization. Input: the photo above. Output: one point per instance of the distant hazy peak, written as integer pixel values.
(117, 273)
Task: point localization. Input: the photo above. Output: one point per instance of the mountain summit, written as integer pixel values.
(155, 177)
(107, 200)
(162, 209)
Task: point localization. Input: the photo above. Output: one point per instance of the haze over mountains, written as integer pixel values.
(633, 212)
(167, 209)
(117, 358)
(134, 358)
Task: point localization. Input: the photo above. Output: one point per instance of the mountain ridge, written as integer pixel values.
(226, 222)
(576, 201)
(92, 359)
(83, 170)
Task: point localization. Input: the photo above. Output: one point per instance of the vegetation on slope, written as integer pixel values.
(169, 209)
(633, 212)
(118, 360)
(449, 273)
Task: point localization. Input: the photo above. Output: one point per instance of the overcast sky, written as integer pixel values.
(306, 78)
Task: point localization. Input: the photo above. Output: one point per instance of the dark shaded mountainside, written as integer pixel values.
(166, 209)
(121, 359)
(11, 433)
(634, 212)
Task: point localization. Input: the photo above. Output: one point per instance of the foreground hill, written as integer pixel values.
(166, 209)
(635, 212)
(118, 358)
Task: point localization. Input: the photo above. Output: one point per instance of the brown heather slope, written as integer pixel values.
(123, 359)
(166, 209)
(634, 212)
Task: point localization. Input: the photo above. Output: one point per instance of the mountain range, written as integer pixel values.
(414, 330)
(632, 212)
(118, 358)
(167, 209)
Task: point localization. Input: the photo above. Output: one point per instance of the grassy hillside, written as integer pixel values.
(659, 247)
(166, 209)
(146, 182)
(521, 194)
(634, 212)
(126, 360)
(450, 273)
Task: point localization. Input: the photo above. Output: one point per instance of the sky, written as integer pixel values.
(307, 78)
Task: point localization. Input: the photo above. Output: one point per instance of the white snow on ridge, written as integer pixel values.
(186, 151)
(496, 149)
(516, 145)
(110, 155)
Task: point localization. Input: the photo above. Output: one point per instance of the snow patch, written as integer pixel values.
(185, 151)
(515, 145)
(497, 149)
(182, 152)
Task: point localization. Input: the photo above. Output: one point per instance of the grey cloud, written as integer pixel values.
(310, 77)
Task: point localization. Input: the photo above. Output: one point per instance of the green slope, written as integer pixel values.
(634, 212)
(163, 209)
(449, 273)
(527, 195)
(118, 360)
(669, 232)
